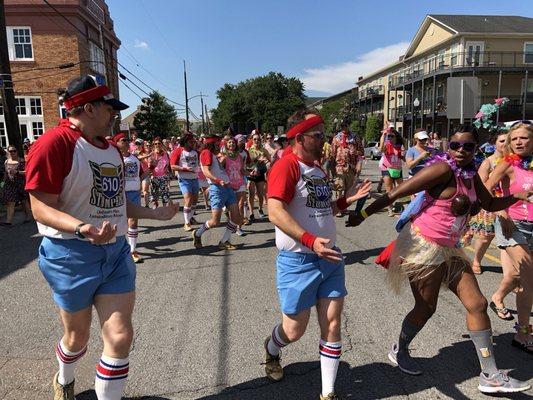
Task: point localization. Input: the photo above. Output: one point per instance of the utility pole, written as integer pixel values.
(207, 118)
(203, 114)
(102, 45)
(6, 88)
(186, 97)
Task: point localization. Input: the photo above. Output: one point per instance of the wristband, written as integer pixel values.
(364, 214)
(217, 181)
(308, 239)
(342, 204)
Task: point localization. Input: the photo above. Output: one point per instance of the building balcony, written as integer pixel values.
(461, 62)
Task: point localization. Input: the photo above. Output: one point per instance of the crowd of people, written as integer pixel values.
(88, 193)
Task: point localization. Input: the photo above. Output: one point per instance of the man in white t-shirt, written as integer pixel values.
(75, 178)
(310, 268)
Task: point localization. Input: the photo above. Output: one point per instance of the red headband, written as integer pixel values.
(305, 125)
(119, 136)
(79, 99)
(211, 140)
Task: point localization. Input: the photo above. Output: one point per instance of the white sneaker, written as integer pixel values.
(240, 232)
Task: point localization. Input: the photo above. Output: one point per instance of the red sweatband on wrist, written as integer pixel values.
(342, 204)
(217, 181)
(308, 239)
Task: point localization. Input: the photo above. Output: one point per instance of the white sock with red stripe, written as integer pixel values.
(111, 374)
(230, 228)
(132, 238)
(330, 355)
(276, 342)
(67, 362)
(187, 213)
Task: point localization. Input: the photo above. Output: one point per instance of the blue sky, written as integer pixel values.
(327, 44)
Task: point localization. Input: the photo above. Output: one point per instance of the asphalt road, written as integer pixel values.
(201, 318)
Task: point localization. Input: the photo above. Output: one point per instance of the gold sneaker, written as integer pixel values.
(197, 241)
(273, 369)
(226, 246)
(331, 396)
(63, 392)
(187, 227)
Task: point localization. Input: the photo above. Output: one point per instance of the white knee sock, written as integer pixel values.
(67, 362)
(276, 342)
(132, 238)
(202, 229)
(330, 354)
(245, 211)
(230, 228)
(111, 374)
(187, 214)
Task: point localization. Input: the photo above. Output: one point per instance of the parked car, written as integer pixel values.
(372, 151)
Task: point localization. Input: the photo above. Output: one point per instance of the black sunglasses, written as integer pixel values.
(12, 151)
(316, 135)
(467, 146)
(524, 121)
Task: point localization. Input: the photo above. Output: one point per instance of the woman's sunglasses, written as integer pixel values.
(12, 151)
(467, 146)
(525, 122)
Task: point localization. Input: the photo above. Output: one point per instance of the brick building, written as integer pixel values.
(40, 40)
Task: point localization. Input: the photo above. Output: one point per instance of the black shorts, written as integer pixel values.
(257, 178)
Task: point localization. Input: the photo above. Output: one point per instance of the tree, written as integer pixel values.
(266, 101)
(156, 118)
(372, 129)
(356, 128)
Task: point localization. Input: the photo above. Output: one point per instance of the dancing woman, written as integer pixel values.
(426, 253)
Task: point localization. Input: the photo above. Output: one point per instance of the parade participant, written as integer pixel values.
(327, 161)
(184, 161)
(160, 167)
(13, 190)
(235, 169)
(220, 195)
(270, 146)
(145, 152)
(346, 158)
(482, 224)
(310, 268)
(426, 254)
(391, 147)
(204, 185)
(435, 142)
(241, 145)
(133, 174)
(260, 160)
(282, 145)
(514, 228)
(76, 182)
(416, 156)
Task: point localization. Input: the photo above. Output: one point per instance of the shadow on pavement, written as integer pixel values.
(452, 366)
(358, 256)
(91, 395)
(19, 245)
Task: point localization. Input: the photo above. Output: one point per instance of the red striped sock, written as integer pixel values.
(111, 374)
(67, 362)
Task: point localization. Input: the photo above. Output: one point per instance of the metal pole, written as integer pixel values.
(499, 94)
(462, 110)
(207, 119)
(6, 88)
(422, 107)
(395, 108)
(525, 97)
(103, 51)
(203, 117)
(186, 98)
(433, 103)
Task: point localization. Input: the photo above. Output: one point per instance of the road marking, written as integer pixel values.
(490, 257)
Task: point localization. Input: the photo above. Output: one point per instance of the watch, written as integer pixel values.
(78, 233)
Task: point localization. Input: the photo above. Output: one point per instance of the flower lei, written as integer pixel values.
(232, 154)
(466, 172)
(515, 160)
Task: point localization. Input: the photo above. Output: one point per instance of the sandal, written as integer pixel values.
(477, 269)
(502, 311)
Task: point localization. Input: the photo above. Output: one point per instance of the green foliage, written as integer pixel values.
(356, 128)
(330, 111)
(266, 100)
(372, 129)
(156, 118)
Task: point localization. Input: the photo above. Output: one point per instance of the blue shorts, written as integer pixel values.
(134, 196)
(303, 278)
(77, 270)
(220, 196)
(191, 186)
(522, 235)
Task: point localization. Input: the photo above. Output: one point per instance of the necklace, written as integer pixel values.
(466, 172)
(525, 163)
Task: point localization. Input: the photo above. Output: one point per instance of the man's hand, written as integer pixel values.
(357, 192)
(167, 212)
(354, 219)
(320, 247)
(100, 235)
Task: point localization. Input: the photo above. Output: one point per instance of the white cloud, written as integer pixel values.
(339, 77)
(140, 44)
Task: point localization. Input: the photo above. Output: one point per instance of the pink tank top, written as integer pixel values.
(161, 166)
(234, 170)
(392, 157)
(523, 180)
(437, 222)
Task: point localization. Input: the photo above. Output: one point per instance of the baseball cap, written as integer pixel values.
(421, 135)
(139, 141)
(26, 140)
(85, 89)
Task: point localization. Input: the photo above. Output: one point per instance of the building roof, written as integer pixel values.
(486, 23)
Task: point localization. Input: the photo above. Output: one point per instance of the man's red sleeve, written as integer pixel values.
(175, 156)
(206, 157)
(283, 178)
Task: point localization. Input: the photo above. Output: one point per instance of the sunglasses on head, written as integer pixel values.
(525, 122)
(467, 146)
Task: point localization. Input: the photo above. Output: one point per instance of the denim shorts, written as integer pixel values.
(134, 196)
(189, 186)
(303, 278)
(77, 270)
(522, 235)
(220, 196)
